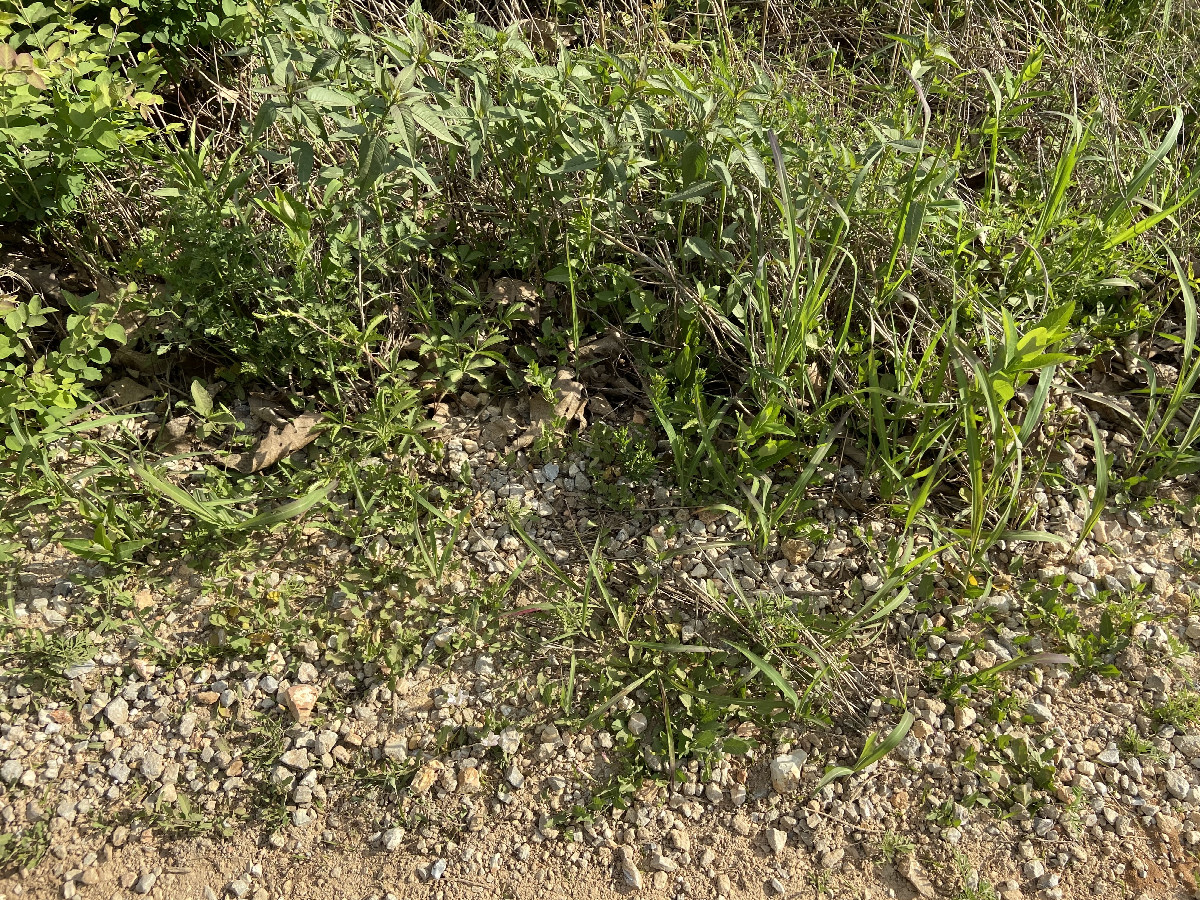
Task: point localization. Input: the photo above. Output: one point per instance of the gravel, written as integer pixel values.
(148, 734)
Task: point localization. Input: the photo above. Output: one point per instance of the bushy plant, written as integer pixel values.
(44, 380)
(199, 23)
(71, 96)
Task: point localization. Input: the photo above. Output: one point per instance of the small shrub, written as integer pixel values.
(71, 96)
(41, 382)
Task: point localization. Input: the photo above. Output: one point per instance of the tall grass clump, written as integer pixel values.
(903, 252)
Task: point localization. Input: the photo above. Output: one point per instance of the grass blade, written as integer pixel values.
(773, 675)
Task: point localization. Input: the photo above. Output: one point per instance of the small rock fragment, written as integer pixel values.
(911, 870)
(660, 863)
(776, 840)
(300, 700)
(785, 771)
(1177, 785)
(425, 778)
(627, 867)
(145, 883)
(391, 839)
(117, 711)
(468, 780)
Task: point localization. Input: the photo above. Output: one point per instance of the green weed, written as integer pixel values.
(1182, 710)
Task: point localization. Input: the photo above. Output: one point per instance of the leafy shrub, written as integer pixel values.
(43, 382)
(780, 271)
(198, 23)
(71, 96)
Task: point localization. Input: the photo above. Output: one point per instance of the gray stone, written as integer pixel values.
(145, 883)
(785, 771)
(1188, 745)
(325, 742)
(776, 840)
(295, 759)
(152, 766)
(1177, 785)
(396, 748)
(1039, 712)
(117, 711)
(437, 870)
(627, 866)
(303, 817)
(80, 670)
(510, 741)
(239, 888)
(11, 771)
(660, 863)
(392, 839)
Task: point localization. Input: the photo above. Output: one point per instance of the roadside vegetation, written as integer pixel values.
(927, 262)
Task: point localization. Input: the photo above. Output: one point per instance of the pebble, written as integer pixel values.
(510, 741)
(145, 883)
(627, 867)
(1039, 712)
(117, 711)
(392, 839)
(295, 759)
(776, 840)
(786, 771)
(660, 863)
(1177, 785)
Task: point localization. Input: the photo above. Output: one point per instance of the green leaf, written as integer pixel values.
(302, 159)
(201, 399)
(773, 675)
(735, 746)
(372, 154)
(694, 192)
(115, 332)
(428, 119)
(871, 752)
(289, 510)
(698, 246)
(322, 95)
